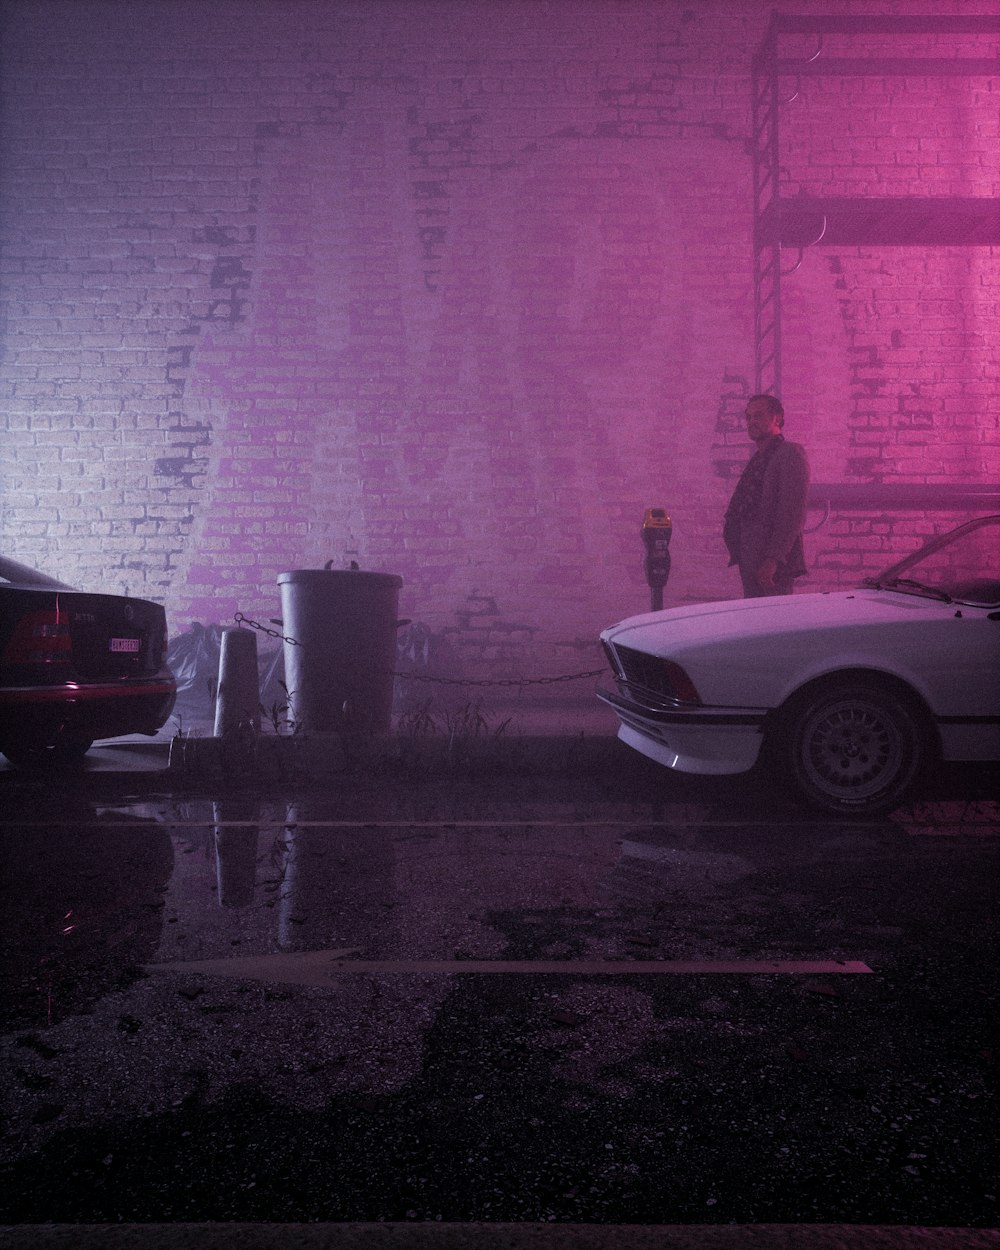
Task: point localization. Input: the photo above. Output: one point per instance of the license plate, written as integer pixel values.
(125, 646)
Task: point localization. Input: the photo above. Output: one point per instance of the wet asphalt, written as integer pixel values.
(512, 985)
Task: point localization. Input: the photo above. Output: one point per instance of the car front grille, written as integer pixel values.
(652, 679)
(637, 668)
(644, 670)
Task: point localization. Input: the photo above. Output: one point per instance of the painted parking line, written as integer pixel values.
(276, 823)
(971, 830)
(949, 826)
(498, 1235)
(320, 968)
(959, 818)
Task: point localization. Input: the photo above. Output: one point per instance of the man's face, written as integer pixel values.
(761, 423)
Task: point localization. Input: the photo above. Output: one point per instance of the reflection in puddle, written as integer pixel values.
(339, 887)
(237, 828)
(81, 905)
(980, 818)
(696, 866)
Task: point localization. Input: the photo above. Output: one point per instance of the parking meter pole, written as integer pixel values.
(237, 700)
(656, 530)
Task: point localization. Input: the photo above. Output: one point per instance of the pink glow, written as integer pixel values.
(460, 296)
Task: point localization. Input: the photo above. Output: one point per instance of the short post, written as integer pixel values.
(237, 701)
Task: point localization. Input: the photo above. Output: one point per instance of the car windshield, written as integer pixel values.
(962, 566)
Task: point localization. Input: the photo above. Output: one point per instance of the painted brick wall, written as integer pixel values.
(915, 387)
(456, 291)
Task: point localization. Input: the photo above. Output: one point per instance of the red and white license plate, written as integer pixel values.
(125, 646)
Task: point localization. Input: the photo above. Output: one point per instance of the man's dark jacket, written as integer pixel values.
(768, 523)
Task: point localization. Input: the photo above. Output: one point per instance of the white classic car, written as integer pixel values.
(847, 693)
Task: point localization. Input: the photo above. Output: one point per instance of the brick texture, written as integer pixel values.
(457, 291)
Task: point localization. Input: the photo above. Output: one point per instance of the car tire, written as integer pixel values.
(852, 747)
(64, 752)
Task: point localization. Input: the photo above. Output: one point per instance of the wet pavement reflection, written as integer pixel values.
(527, 999)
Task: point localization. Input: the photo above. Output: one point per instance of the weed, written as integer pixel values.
(418, 722)
(277, 716)
(469, 721)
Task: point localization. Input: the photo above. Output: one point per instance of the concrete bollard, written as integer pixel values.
(237, 703)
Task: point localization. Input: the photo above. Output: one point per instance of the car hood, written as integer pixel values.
(753, 652)
(732, 619)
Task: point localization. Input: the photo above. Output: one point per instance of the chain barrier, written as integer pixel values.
(499, 681)
(242, 620)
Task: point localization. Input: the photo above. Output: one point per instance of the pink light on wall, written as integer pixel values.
(458, 292)
(509, 426)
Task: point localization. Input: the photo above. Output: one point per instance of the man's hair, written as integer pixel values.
(774, 408)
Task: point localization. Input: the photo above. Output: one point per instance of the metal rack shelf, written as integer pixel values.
(798, 221)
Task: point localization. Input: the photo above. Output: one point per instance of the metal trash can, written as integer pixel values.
(338, 670)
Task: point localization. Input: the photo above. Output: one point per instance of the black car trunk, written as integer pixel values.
(113, 637)
(58, 636)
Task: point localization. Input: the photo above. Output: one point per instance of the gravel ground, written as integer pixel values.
(137, 1095)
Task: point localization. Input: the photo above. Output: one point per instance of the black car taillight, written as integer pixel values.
(39, 638)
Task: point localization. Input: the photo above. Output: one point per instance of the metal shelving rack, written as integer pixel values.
(798, 222)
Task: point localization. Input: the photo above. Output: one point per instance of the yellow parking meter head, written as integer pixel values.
(656, 519)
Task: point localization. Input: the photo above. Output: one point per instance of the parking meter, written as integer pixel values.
(656, 531)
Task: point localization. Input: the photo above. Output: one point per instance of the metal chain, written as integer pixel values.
(242, 620)
(498, 681)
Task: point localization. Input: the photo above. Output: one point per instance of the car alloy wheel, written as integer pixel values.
(852, 747)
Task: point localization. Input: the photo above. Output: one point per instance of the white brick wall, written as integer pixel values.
(456, 291)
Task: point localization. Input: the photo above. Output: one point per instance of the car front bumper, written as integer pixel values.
(690, 739)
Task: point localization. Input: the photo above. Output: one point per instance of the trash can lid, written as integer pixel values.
(330, 577)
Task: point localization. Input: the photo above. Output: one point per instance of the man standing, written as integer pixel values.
(764, 520)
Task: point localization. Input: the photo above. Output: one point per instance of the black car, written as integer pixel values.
(75, 667)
